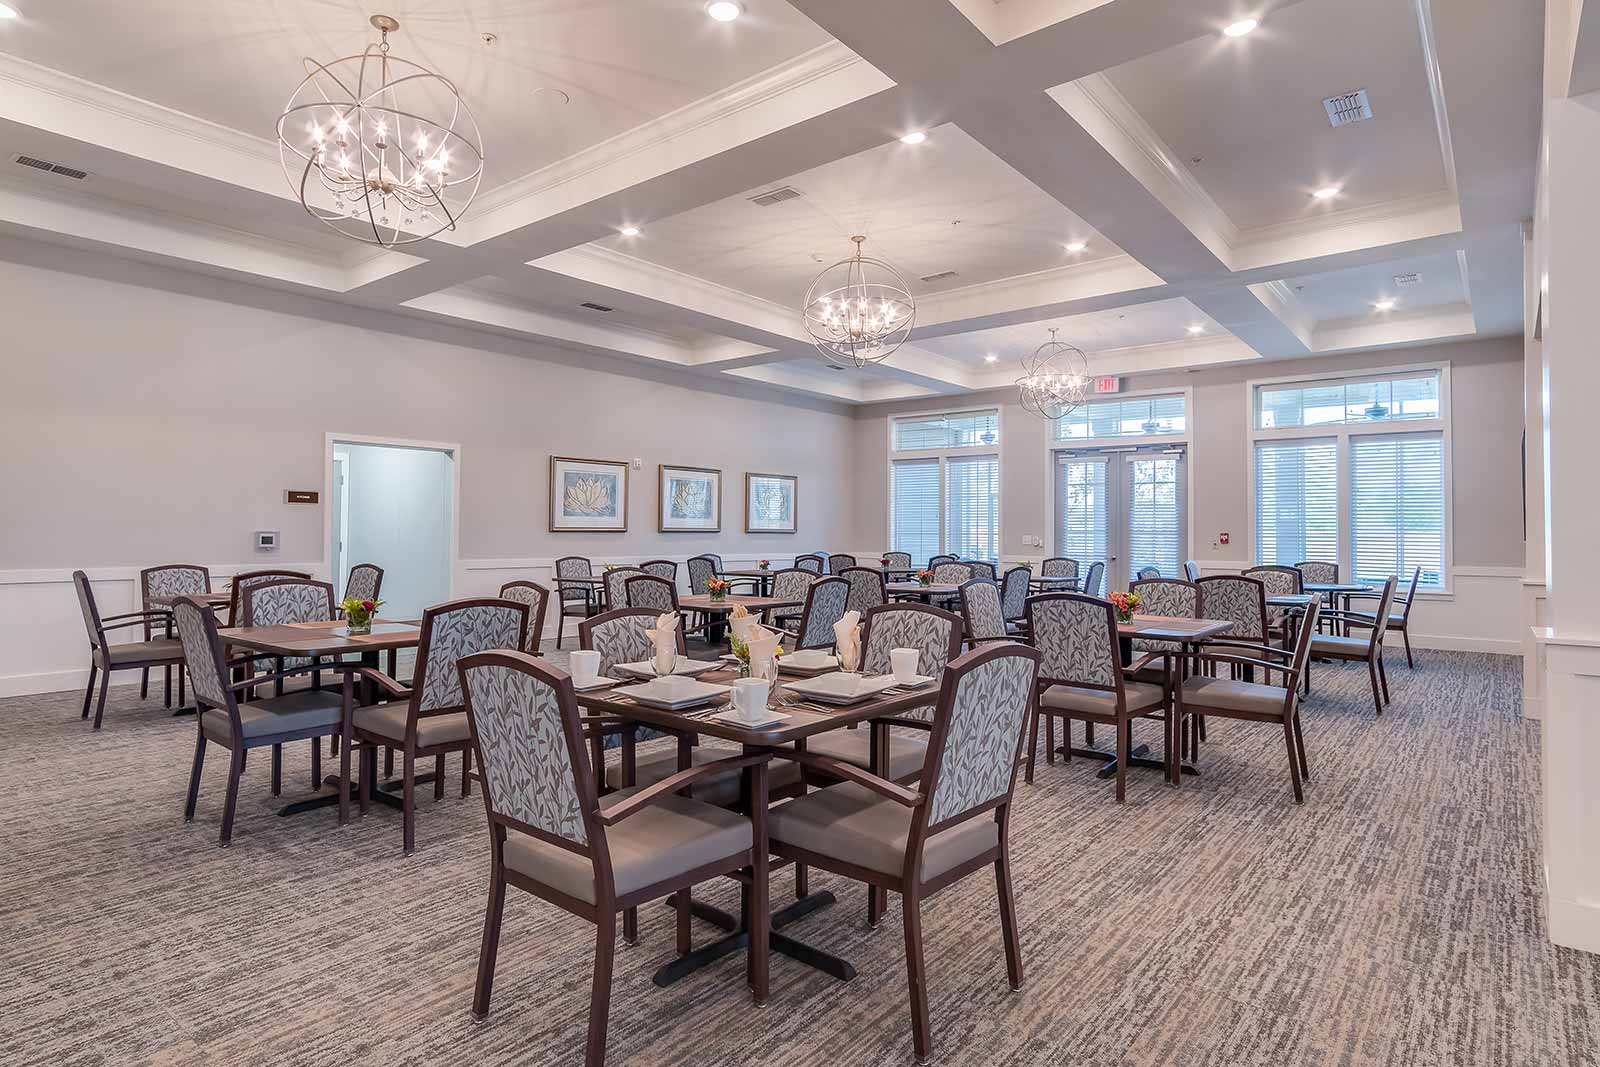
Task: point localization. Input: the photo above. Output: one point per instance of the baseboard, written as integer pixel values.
(1447, 643)
(19, 685)
(1574, 923)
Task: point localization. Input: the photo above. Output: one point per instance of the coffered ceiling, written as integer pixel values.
(1184, 161)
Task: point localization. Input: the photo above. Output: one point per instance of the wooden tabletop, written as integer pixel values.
(1291, 600)
(1170, 628)
(752, 604)
(322, 638)
(923, 590)
(1336, 587)
(220, 599)
(750, 572)
(801, 723)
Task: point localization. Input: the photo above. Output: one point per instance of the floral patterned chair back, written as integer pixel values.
(159, 585)
(981, 568)
(1278, 581)
(827, 600)
(934, 561)
(1092, 580)
(792, 584)
(537, 599)
(980, 608)
(621, 636)
(364, 582)
(661, 568)
(935, 634)
(951, 573)
(1014, 593)
(203, 656)
(570, 567)
(1059, 567)
(648, 591)
(979, 727)
(839, 561)
(701, 570)
(1236, 599)
(812, 563)
(616, 580)
(1169, 597)
(1146, 573)
(866, 588)
(451, 632)
(288, 601)
(244, 580)
(898, 561)
(1318, 570)
(1076, 635)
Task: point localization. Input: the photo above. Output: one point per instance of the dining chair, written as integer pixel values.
(1174, 599)
(1092, 580)
(896, 561)
(158, 587)
(578, 598)
(428, 718)
(1014, 589)
(867, 587)
(364, 582)
(621, 635)
(1316, 570)
(982, 615)
(790, 584)
(951, 572)
(812, 562)
(701, 570)
(982, 568)
(1082, 679)
(648, 591)
(1238, 600)
(1231, 698)
(838, 561)
(553, 836)
(1278, 581)
(1147, 573)
(934, 561)
(616, 586)
(306, 714)
(661, 568)
(537, 598)
(1356, 648)
(1059, 567)
(245, 579)
(1398, 620)
(956, 823)
(827, 599)
(287, 602)
(105, 657)
(1191, 570)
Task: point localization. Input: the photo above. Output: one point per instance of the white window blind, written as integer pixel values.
(1081, 508)
(1297, 501)
(1397, 507)
(974, 429)
(972, 507)
(1155, 515)
(1135, 417)
(1355, 401)
(914, 508)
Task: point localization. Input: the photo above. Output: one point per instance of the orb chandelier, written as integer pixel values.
(1054, 379)
(858, 311)
(380, 149)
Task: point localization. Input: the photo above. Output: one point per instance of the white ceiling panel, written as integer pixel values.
(1346, 294)
(1159, 322)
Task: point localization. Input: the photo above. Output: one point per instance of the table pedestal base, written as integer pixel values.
(739, 938)
(385, 793)
(1139, 757)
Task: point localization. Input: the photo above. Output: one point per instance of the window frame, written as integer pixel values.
(1342, 433)
(943, 455)
(1058, 443)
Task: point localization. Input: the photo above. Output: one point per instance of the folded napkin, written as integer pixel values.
(763, 652)
(742, 623)
(847, 640)
(665, 639)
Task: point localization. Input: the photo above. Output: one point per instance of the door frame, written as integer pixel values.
(452, 449)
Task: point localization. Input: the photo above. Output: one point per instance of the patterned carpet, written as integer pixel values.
(1393, 920)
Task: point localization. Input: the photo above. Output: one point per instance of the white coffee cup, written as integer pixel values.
(584, 667)
(750, 697)
(904, 663)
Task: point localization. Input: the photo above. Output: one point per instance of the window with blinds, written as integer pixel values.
(972, 507)
(1297, 501)
(1082, 511)
(1155, 514)
(1135, 417)
(1397, 507)
(1348, 402)
(914, 508)
(973, 429)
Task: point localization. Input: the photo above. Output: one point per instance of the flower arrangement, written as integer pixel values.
(763, 564)
(741, 652)
(358, 614)
(924, 577)
(717, 587)
(884, 562)
(1126, 604)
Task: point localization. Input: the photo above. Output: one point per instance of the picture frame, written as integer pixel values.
(588, 495)
(689, 499)
(771, 503)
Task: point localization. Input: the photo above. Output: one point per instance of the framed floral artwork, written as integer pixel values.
(690, 499)
(771, 503)
(588, 495)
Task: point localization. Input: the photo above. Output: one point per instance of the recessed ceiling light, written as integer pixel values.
(1077, 246)
(724, 10)
(914, 137)
(8, 12)
(1240, 28)
(1386, 304)
(1197, 328)
(630, 231)
(1327, 192)
(990, 358)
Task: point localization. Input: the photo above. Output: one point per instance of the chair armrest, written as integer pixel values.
(849, 772)
(1144, 661)
(165, 612)
(370, 674)
(124, 625)
(672, 784)
(1249, 662)
(1271, 650)
(1353, 618)
(265, 679)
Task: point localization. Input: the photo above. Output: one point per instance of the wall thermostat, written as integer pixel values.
(266, 540)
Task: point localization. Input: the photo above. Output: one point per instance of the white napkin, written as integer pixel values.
(742, 623)
(665, 639)
(763, 652)
(847, 640)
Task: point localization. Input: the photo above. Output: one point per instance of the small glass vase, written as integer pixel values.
(1124, 616)
(718, 595)
(355, 628)
(744, 668)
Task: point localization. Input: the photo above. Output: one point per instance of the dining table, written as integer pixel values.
(925, 593)
(332, 640)
(802, 719)
(761, 578)
(755, 605)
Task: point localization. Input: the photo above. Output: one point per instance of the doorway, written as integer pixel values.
(394, 504)
(1126, 507)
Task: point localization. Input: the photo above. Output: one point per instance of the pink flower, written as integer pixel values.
(368, 605)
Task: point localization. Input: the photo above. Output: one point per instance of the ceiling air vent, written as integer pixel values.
(775, 196)
(595, 307)
(941, 276)
(50, 168)
(1347, 108)
(1401, 281)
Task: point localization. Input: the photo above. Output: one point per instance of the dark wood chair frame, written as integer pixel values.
(235, 609)
(535, 632)
(1373, 656)
(804, 622)
(883, 591)
(942, 557)
(838, 561)
(377, 586)
(748, 866)
(1403, 623)
(821, 561)
(1121, 720)
(586, 602)
(150, 626)
(100, 649)
(1093, 578)
(662, 563)
(368, 742)
(966, 613)
(909, 883)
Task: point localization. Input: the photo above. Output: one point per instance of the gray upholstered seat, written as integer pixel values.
(661, 761)
(1239, 696)
(1350, 646)
(141, 651)
(389, 720)
(851, 823)
(277, 715)
(907, 752)
(671, 837)
(1140, 695)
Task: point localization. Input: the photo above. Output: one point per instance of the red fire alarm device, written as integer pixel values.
(1223, 538)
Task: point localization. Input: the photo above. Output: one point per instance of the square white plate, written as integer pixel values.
(734, 718)
(841, 688)
(680, 692)
(811, 661)
(598, 683)
(686, 668)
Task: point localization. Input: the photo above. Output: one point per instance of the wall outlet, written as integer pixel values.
(638, 464)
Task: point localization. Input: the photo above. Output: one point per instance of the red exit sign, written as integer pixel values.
(1108, 385)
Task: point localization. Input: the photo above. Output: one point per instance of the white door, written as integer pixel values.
(1125, 508)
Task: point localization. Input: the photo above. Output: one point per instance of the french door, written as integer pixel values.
(1127, 508)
